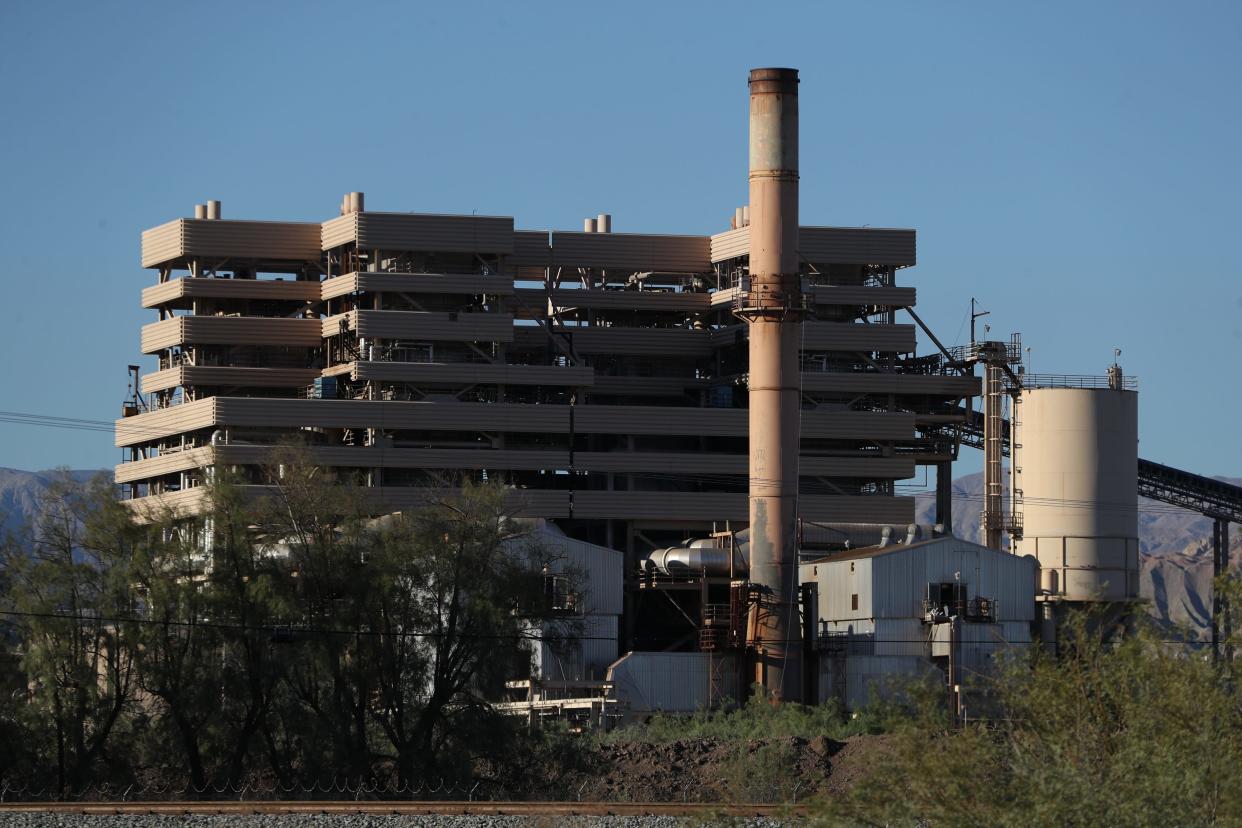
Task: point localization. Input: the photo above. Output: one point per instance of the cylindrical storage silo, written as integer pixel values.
(1078, 473)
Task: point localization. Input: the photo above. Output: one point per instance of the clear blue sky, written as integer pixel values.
(1075, 166)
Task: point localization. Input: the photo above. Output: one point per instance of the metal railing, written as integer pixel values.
(1128, 383)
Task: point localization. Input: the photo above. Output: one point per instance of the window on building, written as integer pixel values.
(854, 601)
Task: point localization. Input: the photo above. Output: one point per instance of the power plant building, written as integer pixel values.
(603, 375)
(710, 427)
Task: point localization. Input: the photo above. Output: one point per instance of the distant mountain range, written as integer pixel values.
(21, 492)
(1176, 558)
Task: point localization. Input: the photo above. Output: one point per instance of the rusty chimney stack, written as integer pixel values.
(773, 306)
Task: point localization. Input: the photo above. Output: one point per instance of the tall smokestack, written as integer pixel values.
(774, 309)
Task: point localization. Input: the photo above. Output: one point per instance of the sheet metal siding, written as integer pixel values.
(900, 578)
(531, 248)
(222, 376)
(598, 571)
(419, 325)
(670, 682)
(230, 330)
(466, 373)
(599, 645)
(206, 288)
(831, 245)
(632, 252)
(401, 232)
(870, 677)
(416, 283)
(282, 241)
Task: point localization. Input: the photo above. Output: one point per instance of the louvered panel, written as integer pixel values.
(632, 252)
(159, 335)
(251, 330)
(724, 297)
(274, 241)
(665, 506)
(173, 463)
(338, 231)
(393, 415)
(420, 326)
(230, 330)
(425, 232)
(731, 244)
(681, 342)
(531, 248)
(153, 425)
(834, 336)
(182, 504)
(519, 502)
(831, 245)
(871, 467)
(647, 386)
(469, 373)
(877, 383)
(644, 419)
(848, 336)
(857, 425)
(161, 244)
(638, 462)
(895, 297)
(191, 375)
(415, 283)
(625, 300)
(254, 289)
(857, 245)
(861, 509)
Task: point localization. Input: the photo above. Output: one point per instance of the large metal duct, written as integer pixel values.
(695, 558)
(773, 306)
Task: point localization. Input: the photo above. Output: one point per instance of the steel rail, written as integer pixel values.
(447, 808)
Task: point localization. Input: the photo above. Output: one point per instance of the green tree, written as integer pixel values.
(1133, 732)
(69, 585)
(458, 591)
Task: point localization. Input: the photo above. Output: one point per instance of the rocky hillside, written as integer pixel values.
(1175, 547)
(21, 493)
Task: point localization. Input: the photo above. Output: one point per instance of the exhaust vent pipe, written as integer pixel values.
(200, 211)
(213, 210)
(603, 224)
(589, 225)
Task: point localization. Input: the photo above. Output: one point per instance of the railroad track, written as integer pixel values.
(564, 809)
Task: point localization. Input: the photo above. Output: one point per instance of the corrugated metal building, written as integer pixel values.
(886, 615)
(586, 582)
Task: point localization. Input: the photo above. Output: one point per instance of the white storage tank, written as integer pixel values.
(1077, 469)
